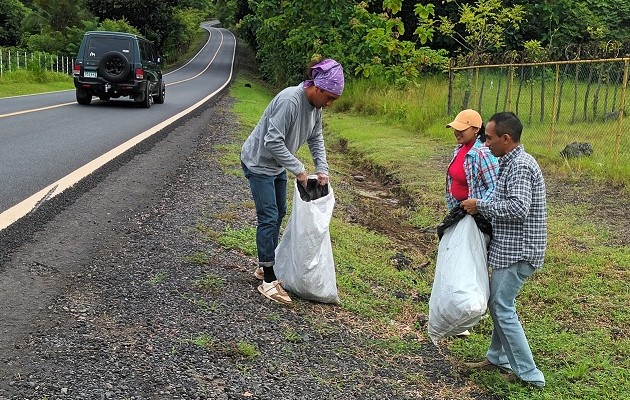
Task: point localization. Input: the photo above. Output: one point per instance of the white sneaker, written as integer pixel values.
(274, 291)
(465, 333)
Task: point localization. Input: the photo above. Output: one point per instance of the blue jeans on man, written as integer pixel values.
(509, 348)
(270, 197)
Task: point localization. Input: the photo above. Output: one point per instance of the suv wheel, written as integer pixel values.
(144, 99)
(159, 99)
(84, 97)
(114, 66)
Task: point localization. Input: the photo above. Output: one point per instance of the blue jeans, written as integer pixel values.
(270, 197)
(509, 347)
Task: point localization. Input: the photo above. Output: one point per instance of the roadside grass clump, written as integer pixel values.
(210, 282)
(204, 341)
(246, 349)
(574, 310)
(198, 258)
(243, 240)
(158, 277)
(229, 158)
(23, 82)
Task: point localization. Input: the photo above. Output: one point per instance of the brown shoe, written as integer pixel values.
(274, 291)
(512, 378)
(484, 365)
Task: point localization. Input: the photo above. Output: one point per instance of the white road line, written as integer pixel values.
(26, 206)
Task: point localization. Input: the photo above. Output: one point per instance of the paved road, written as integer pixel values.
(49, 142)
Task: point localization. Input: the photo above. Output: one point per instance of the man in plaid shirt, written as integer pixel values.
(519, 222)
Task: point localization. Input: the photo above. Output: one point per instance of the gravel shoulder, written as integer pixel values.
(104, 301)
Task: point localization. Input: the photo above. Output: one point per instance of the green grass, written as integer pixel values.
(23, 82)
(575, 311)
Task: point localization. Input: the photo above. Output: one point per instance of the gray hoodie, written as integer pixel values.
(288, 122)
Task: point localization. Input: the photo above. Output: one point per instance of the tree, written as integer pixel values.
(11, 14)
(287, 35)
(479, 28)
(151, 17)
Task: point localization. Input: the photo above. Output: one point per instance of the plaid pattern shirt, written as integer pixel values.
(481, 169)
(518, 212)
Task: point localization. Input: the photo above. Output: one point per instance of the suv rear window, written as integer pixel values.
(99, 45)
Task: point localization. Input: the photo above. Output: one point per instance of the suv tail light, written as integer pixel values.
(139, 73)
(76, 70)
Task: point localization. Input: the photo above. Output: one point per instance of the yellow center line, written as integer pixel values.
(35, 110)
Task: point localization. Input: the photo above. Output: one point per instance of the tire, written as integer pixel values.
(146, 102)
(83, 97)
(114, 67)
(159, 99)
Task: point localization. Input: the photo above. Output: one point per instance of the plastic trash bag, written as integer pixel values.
(304, 259)
(461, 289)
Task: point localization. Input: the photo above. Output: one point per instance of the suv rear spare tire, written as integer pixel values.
(114, 66)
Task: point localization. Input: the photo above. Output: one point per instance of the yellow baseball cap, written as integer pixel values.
(465, 120)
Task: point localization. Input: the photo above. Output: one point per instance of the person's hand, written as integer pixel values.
(302, 177)
(470, 206)
(322, 179)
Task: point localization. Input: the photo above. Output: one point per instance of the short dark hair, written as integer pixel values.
(507, 122)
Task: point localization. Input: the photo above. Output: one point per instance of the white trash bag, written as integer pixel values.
(304, 259)
(461, 289)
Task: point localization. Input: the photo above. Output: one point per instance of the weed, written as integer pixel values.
(199, 258)
(247, 350)
(204, 341)
(290, 335)
(209, 282)
(243, 240)
(158, 278)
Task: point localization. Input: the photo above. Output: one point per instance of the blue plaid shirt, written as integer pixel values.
(518, 212)
(481, 169)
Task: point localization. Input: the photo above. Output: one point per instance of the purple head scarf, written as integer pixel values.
(327, 75)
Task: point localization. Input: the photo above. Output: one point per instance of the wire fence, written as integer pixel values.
(12, 59)
(569, 108)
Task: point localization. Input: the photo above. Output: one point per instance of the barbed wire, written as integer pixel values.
(584, 51)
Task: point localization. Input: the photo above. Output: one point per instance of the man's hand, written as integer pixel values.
(470, 206)
(322, 179)
(302, 177)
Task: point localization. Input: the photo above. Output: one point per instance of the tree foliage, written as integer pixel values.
(478, 28)
(288, 34)
(12, 12)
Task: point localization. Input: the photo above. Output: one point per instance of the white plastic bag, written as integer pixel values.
(461, 289)
(304, 259)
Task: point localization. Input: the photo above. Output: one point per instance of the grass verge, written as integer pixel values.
(23, 82)
(574, 311)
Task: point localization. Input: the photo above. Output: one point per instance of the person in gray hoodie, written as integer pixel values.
(292, 118)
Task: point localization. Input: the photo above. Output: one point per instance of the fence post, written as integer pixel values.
(554, 110)
(450, 87)
(1, 66)
(509, 88)
(622, 105)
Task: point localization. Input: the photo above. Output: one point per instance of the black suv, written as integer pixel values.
(114, 64)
